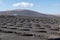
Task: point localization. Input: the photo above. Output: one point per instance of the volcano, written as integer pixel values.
(24, 13)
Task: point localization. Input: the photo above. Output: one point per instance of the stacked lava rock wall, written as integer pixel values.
(28, 28)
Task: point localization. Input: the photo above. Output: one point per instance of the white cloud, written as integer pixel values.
(23, 4)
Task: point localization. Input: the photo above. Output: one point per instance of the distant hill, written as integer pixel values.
(56, 14)
(25, 13)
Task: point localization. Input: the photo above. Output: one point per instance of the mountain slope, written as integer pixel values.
(25, 13)
(22, 13)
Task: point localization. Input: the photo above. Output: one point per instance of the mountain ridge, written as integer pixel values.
(24, 12)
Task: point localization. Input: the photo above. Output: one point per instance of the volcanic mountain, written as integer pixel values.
(24, 13)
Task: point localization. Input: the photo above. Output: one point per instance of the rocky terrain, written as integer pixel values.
(28, 25)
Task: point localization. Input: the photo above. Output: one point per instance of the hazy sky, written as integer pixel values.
(43, 6)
